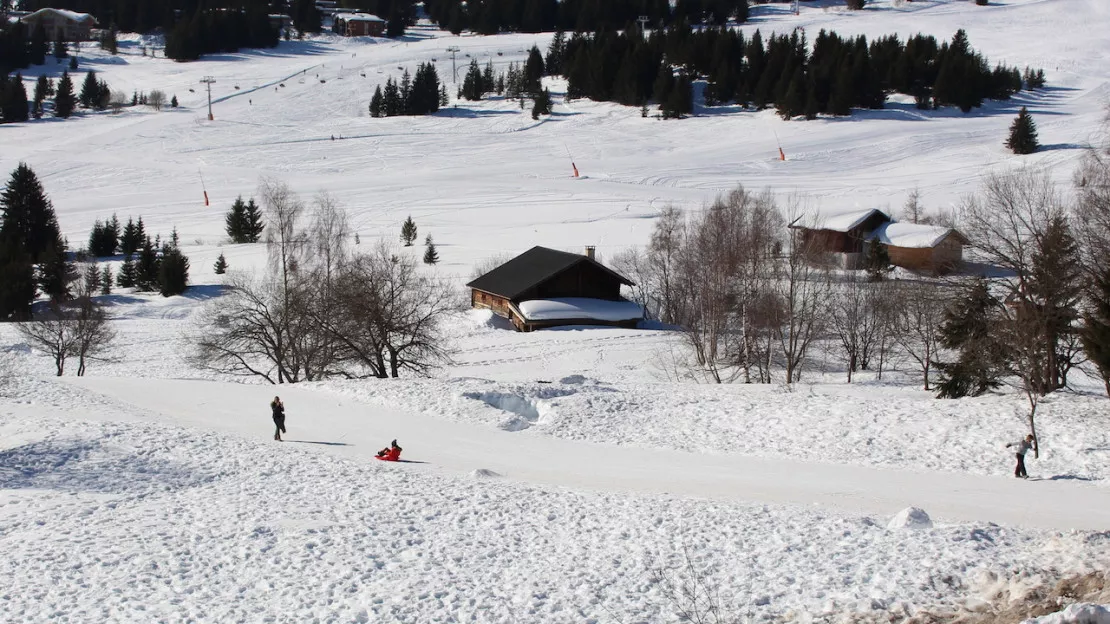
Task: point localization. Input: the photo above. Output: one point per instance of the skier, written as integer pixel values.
(278, 409)
(1029, 442)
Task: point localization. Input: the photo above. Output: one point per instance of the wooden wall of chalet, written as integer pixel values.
(581, 280)
(362, 28)
(499, 305)
(944, 258)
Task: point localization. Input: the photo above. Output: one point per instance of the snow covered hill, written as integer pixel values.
(567, 475)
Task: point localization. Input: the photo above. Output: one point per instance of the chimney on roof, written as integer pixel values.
(590, 251)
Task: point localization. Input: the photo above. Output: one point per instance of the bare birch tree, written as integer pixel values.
(855, 321)
(919, 324)
(79, 329)
(802, 289)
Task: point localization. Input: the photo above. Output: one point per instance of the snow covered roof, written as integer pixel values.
(69, 15)
(531, 268)
(843, 221)
(912, 235)
(363, 17)
(570, 308)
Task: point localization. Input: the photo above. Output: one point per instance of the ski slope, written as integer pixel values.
(558, 472)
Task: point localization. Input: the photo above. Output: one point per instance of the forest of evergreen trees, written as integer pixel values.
(838, 74)
(220, 30)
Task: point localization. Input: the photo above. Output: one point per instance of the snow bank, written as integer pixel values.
(1076, 614)
(910, 518)
(569, 308)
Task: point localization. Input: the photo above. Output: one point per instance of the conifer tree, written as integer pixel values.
(235, 221)
(408, 231)
(254, 224)
(63, 99)
(541, 105)
(128, 274)
(106, 280)
(27, 214)
(533, 71)
(221, 265)
(392, 103)
(90, 281)
(472, 82)
(1023, 134)
(39, 45)
(17, 280)
(41, 91)
(967, 329)
(130, 239)
(59, 46)
(376, 102)
(146, 267)
(877, 264)
(431, 256)
(13, 99)
(1095, 331)
(173, 272)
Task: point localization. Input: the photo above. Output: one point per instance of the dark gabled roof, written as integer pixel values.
(531, 268)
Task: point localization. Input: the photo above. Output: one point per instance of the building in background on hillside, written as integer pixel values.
(70, 25)
(843, 239)
(548, 288)
(280, 22)
(359, 25)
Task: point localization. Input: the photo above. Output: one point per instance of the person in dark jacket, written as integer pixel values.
(1029, 442)
(278, 409)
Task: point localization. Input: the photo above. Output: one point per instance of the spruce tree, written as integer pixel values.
(877, 263)
(541, 105)
(173, 272)
(60, 46)
(253, 223)
(533, 71)
(221, 265)
(408, 231)
(1023, 134)
(90, 281)
(131, 238)
(146, 267)
(106, 280)
(1095, 331)
(90, 90)
(17, 280)
(376, 102)
(430, 254)
(472, 82)
(13, 99)
(41, 90)
(235, 222)
(967, 328)
(63, 99)
(27, 214)
(127, 273)
(39, 45)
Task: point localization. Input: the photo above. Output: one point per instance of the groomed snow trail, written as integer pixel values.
(338, 424)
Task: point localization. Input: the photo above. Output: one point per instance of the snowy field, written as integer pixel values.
(558, 476)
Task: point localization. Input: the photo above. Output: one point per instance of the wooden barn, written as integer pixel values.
(919, 247)
(841, 236)
(359, 25)
(547, 288)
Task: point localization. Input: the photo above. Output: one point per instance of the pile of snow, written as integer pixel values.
(1076, 614)
(484, 473)
(574, 308)
(910, 518)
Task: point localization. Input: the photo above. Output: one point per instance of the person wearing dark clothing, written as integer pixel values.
(278, 409)
(1022, 446)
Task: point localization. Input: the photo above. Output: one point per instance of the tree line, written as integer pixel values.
(488, 17)
(209, 30)
(421, 95)
(833, 77)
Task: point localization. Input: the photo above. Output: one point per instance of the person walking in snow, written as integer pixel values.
(1023, 445)
(278, 409)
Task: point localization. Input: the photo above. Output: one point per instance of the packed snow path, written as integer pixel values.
(333, 423)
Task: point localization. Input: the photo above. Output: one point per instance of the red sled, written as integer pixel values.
(390, 455)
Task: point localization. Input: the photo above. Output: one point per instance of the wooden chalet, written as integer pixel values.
(920, 247)
(359, 25)
(547, 288)
(843, 240)
(61, 24)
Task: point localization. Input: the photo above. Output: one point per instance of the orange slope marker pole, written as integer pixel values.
(202, 187)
